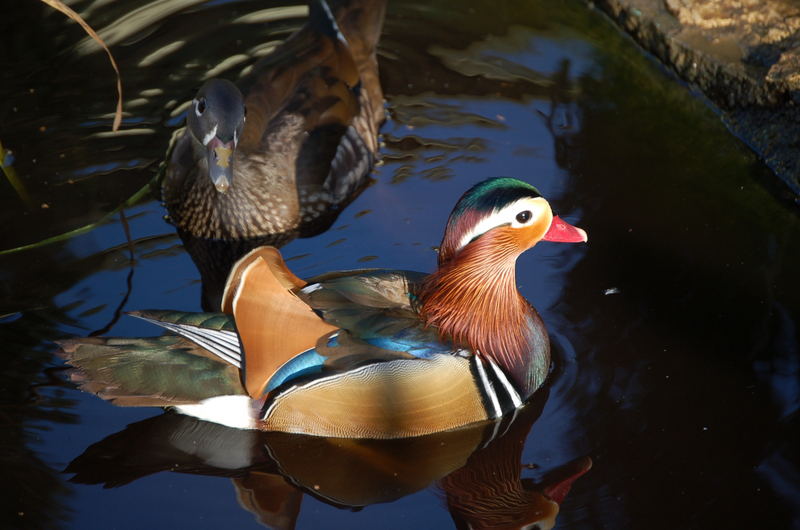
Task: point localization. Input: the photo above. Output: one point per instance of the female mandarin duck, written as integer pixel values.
(286, 157)
(300, 141)
(359, 354)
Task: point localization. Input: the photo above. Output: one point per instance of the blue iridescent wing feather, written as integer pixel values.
(378, 323)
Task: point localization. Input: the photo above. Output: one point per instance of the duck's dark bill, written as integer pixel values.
(220, 163)
(561, 231)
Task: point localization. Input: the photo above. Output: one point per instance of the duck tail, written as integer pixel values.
(322, 19)
(148, 372)
(359, 21)
(361, 24)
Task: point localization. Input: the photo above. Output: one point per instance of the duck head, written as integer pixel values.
(472, 298)
(216, 120)
(511, 212)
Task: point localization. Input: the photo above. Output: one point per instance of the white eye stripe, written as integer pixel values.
(506, 216)
(197, 107)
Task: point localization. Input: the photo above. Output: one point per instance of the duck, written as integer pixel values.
(295, 140)
(370, 353)
(283, 152)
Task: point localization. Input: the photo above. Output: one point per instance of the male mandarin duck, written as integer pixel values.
(354, 354)
(297, 144)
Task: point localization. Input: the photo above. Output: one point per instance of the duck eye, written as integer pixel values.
(200, 106)
(524, 217)
(244, 110)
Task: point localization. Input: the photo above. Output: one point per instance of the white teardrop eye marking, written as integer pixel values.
(518, 214)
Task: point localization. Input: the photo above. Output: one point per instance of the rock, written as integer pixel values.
(744, 55)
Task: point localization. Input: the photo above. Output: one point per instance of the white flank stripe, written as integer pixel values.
(231, 411)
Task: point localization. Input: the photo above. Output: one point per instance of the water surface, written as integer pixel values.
(675, 328)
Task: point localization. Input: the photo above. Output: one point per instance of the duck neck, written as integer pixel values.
(473, 301)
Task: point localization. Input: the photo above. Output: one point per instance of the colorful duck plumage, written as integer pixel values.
(357, 354)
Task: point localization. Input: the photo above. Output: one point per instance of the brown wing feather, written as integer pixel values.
(148, 372)
(273, 324)
(273, 257)
(395, 399)
(312, 75)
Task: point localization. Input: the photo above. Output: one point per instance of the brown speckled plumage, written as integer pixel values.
(262, 200)
(314, 107)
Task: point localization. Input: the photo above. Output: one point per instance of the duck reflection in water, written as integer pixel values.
(477, 469)
(283, 156)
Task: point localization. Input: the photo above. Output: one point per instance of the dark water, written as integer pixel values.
(675, 328)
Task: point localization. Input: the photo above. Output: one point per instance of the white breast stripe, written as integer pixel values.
(512, 392)
(488, 388)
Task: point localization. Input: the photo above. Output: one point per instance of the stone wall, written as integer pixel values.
(744, 55)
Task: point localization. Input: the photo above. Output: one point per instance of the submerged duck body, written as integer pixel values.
(299, 142)
(358, 354)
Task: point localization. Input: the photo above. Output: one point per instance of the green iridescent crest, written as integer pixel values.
(493, 194)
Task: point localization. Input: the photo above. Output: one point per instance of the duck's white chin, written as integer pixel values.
(232, 411)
